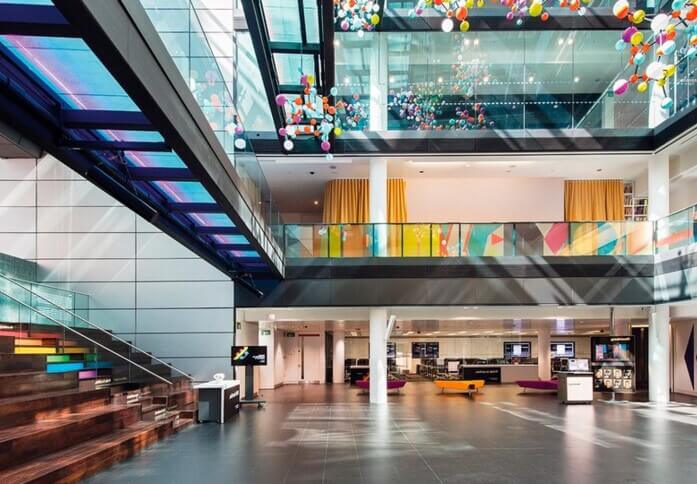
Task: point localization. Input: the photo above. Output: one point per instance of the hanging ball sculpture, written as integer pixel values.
(457, 11)
(356, 15)
(312, 115)
(659, 46)
(424, 110)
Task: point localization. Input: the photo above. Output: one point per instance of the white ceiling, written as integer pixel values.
(298, 181)
(457, 314)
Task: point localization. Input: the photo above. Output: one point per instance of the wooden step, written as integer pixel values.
(23, 443)
(32, 382)
(81, 461)
(28, 409)
(10, 362)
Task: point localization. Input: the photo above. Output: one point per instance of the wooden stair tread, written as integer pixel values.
(78, 453)
(58, 422)
(40, 396)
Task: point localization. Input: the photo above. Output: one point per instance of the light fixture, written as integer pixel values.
(570, 41)
(531, 79)
(476, 41)
(337, 43)
(391, 79)
(316, 202)
(440, 80)
(288, 145)
(240, 143)
(272, 317)
(447, 25)
(467, 42)
(576, 79)
(560, 41)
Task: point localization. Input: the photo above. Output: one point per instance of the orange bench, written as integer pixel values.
(464, 386)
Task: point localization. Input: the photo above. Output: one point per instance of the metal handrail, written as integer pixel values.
(65, 326)
(40, 284)
(112, 335)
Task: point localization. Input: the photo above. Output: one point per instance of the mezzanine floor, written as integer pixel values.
(330, 433)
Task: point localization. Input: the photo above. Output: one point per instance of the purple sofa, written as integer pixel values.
(538, 384)
(391, 384)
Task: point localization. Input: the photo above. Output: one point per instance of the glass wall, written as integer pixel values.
(482, 80)
(200, 38)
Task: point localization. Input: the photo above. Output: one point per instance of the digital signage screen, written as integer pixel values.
(425, 349)
(516, 349)
(563, 349)
(612, 348)
(249, 356)
(391, 349)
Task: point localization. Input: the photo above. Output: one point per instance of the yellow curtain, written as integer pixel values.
(396, 201)
(346, 201)
(593, 200)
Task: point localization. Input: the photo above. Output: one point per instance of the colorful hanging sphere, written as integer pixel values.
(620, 87)
(620, 9)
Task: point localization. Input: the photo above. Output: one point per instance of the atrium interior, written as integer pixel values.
(380, 241)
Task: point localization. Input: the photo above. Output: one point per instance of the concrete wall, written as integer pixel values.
(143, 285)
(485, 199)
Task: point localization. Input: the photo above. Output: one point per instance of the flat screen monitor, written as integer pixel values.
(429, 349)
(578, 364)
(612, 348)
(391, 349)
(249, 356)
(516, 349)
(566, 349)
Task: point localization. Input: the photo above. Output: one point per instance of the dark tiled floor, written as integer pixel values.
(331, 434)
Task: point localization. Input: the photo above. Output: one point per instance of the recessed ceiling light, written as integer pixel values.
(560, 41)
(531, 79)
(391, 79)
(337, 43)
(316, 202)
(447, 25)
(440, 80)
(576, 79)
(569, 41)
(476, 41)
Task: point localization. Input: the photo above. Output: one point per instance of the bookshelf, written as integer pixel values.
(635, 208)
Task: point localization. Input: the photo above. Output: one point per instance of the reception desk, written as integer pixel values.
(498, 373)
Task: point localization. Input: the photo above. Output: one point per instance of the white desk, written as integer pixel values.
(218, 400)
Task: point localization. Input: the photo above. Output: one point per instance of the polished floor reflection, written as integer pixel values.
(332, 434)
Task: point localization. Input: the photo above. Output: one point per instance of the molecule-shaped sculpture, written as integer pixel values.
(668, 28)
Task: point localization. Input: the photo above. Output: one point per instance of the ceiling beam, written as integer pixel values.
(104, 145)
(41, 20)
(294, 48)
(160, 174)
(487, 19)
(97, 119)
(210, 230)
(233, 247)
(195, 207)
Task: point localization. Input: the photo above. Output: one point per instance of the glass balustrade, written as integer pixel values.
(471, 239)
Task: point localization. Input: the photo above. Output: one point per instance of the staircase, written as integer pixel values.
(69, 409)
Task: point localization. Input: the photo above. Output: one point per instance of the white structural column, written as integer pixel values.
(378, 203)
(544, 363)
(267, 337)
(378, 83)
(659, 186)
(339, 352)
(659, 353)
(659, 320)
(378, 356)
